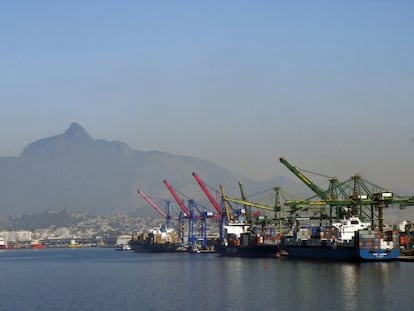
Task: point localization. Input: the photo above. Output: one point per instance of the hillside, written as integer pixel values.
(75, 172)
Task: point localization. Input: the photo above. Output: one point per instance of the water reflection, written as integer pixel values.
(374, 285)
(199, 282)
(345, 286)
(350, 276)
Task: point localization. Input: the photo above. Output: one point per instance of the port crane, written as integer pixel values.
(246, 207)
(202, 219)
(177, 199)
(353, 197)
(276, 208)
(327, 198)
(219, 209)
(306, 180)
(167, 215)
(208, 194)
(192, 218)
(231, 218)
(246, 203)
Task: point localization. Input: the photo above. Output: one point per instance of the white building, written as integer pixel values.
(123, 239)
(16, 236)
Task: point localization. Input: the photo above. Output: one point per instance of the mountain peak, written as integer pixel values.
(76, 132)
(58, 144)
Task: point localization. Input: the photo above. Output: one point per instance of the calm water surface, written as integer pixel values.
(104, 279)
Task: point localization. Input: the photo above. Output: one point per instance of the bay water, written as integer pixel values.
(105, 279)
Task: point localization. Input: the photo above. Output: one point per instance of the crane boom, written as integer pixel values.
(226, 205)
(150, 202)
(243, 196)
(177, 198)
(249, 208)
(320, 192)
(208, 194)
(250, 204)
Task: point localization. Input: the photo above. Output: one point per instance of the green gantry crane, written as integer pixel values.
(353, 197)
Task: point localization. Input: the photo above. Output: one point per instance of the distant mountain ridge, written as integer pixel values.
(76, 172)
(74, 135)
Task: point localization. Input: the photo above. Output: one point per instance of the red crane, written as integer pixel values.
(208, 194)
(177, 199)
(150, 202)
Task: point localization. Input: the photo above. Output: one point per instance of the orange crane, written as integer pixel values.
(177, 199)
(217, 206)
(156, 207)
(208, 194)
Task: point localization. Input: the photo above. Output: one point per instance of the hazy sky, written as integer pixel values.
(328, 84)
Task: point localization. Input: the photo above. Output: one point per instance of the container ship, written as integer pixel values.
(156, 241)
(349, 240)
(241, 242)
(406, 237)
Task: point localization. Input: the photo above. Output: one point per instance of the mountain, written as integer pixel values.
(75, 172)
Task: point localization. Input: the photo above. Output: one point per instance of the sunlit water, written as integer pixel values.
(105, 279)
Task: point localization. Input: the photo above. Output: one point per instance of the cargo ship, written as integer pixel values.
(348, 240)
(160, 240)
(406, 235)
(241, 242)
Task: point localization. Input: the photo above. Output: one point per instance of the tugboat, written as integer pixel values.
(124, 248)
(36, 244)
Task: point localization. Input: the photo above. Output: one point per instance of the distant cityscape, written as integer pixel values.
(54, 228)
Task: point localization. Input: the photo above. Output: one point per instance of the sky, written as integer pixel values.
(327, 84)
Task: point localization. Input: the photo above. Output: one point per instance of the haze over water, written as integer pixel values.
(103, 279)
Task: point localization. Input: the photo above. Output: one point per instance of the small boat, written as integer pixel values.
(124, 248)
(74, 244)
(36, 244)
(3, 244)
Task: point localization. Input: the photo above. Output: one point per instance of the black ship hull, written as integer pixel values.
(256, 250)
(145, 247)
